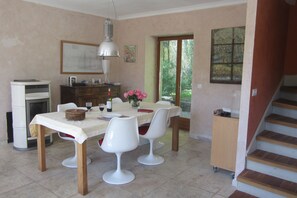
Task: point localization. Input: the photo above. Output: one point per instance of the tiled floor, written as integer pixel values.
(186, 173)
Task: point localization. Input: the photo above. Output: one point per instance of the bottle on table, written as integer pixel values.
(109, 102)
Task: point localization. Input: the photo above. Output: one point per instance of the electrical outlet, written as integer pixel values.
(254, 92)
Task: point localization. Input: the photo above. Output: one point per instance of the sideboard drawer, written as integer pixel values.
(82, 94)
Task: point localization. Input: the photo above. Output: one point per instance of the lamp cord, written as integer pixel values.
(115, 13)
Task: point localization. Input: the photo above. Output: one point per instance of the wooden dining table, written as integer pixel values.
(94, 124)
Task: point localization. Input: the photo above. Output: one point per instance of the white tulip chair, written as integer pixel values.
(117, 100)
(70, 162)
(163, 102)
(158, 144)
(121, 136)
(156, 129)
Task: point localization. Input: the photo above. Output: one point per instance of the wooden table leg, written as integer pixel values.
(82, 174)
(41, 148)
(175, 132)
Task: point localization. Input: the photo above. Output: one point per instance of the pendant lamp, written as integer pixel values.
(108, 48)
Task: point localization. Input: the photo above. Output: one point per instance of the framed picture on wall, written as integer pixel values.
(80, 58)
(130, 53)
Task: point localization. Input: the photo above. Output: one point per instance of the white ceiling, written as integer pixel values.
(126, 9)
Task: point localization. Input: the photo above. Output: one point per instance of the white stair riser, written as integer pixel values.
(258, 192)
(273, 148)
(290, 80)
(281, 129)
(273, 171)
(288, 96)
(285, 112)
(277, 149)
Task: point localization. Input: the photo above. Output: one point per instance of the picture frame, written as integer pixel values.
(80, 58)
(130, 53)
(72, 80)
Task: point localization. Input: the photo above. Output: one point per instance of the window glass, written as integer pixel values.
(227, 49)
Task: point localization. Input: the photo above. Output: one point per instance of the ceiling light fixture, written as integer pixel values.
(108, 48)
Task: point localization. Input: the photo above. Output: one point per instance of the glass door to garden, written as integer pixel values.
(175, 61)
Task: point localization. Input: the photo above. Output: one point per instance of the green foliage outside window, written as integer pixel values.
(227, 49)
(168, 58)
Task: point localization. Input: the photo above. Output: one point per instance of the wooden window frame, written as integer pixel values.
(178, 62)
(231, 63)
(184, 123)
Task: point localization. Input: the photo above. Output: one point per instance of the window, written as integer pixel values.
(227, 47)
(175, 62)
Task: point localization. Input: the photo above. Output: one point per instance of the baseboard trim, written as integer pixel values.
(200, 137)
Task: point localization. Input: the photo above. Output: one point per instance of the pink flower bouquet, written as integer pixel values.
(135, 95)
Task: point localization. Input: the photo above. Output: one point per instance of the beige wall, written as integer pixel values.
(30, 37)
(199, 23)
(30, 48)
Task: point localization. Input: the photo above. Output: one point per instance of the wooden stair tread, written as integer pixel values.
(239, 194)
(282, 120)
(289, 89)
(284, 103)
(268, 183)
(277, 138)
(273, 159)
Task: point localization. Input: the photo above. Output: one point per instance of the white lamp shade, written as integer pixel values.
(106, 66)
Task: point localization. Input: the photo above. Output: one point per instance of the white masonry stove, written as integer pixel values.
(28, 98)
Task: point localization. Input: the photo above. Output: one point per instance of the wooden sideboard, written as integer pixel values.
(82, 94)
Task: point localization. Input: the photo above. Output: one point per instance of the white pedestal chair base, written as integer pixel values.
(118, 177)
(71, 162)
(150, 159)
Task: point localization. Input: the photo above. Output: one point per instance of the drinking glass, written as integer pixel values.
(89, 105)
(101, 107)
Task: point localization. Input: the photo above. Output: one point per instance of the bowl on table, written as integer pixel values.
(75, 114)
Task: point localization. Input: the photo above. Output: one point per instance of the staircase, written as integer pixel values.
(271, 170)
